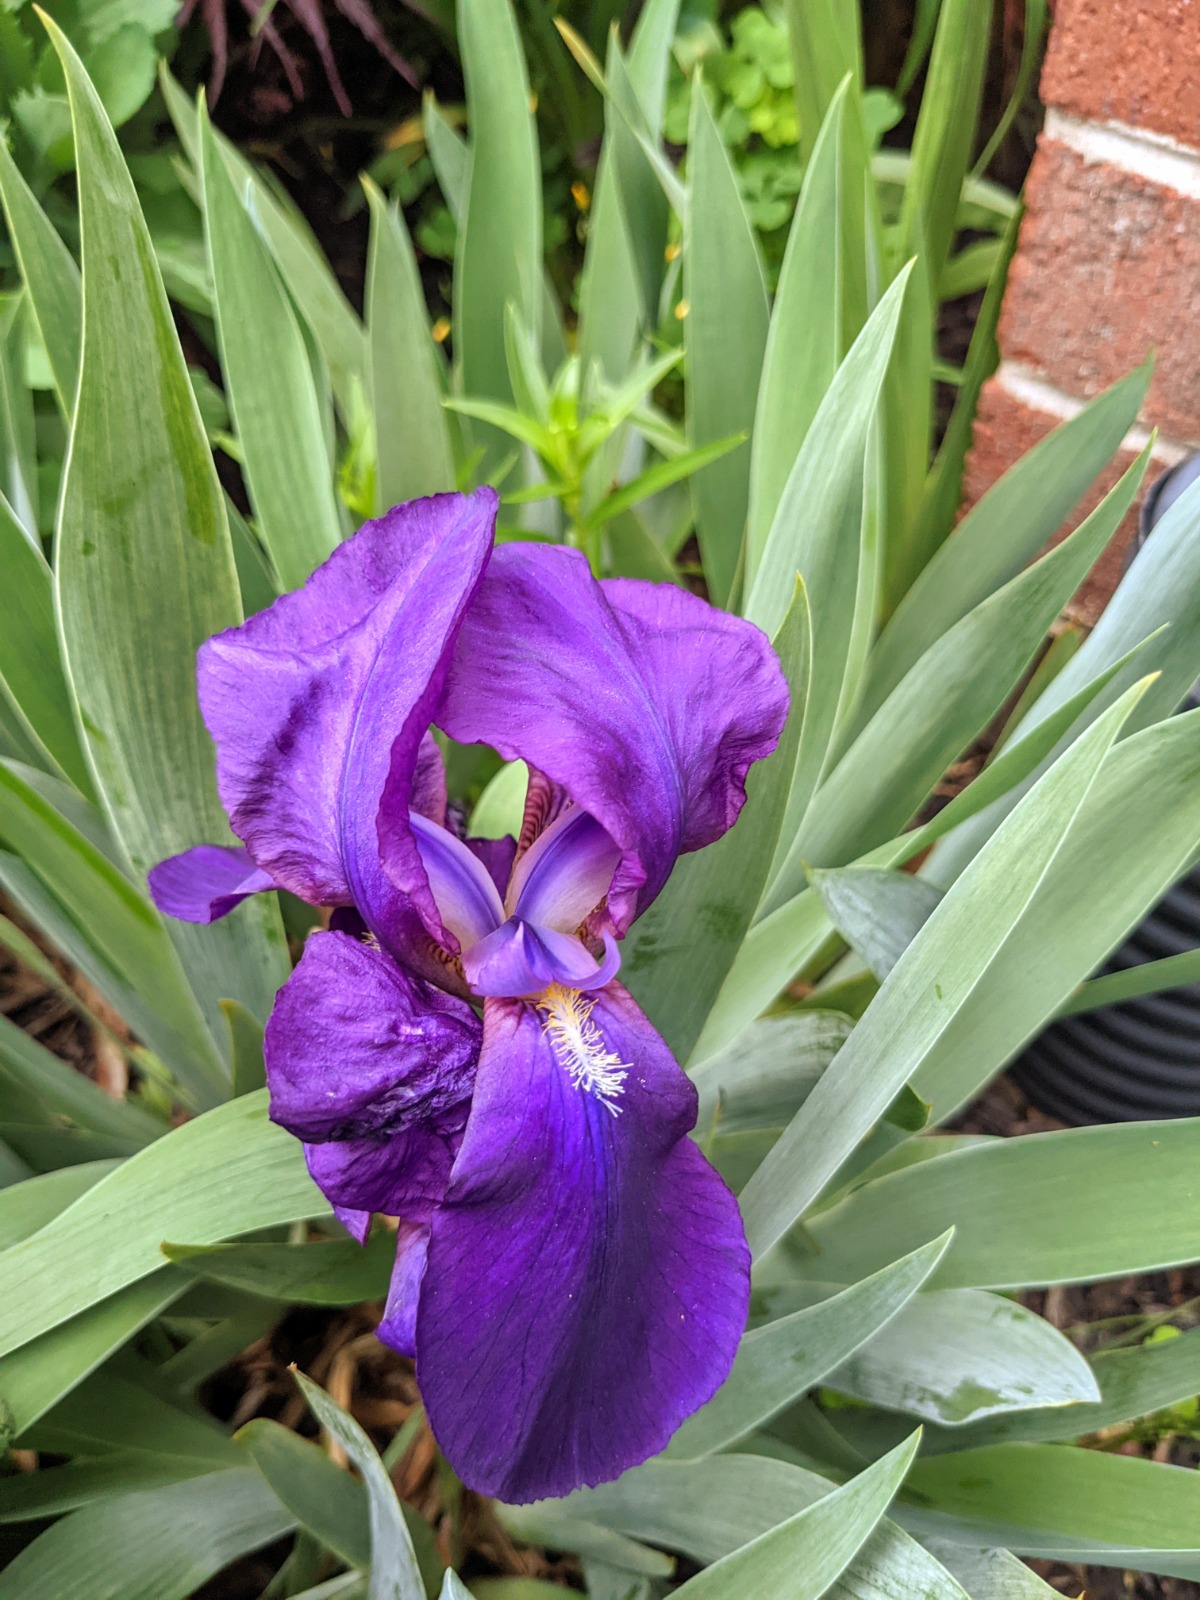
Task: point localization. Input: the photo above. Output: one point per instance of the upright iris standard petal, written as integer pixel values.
(305, 699)
(646, 704)
(588, 1277)
(463, 889)
(565, 873)
(374, 1070)
(206, 882)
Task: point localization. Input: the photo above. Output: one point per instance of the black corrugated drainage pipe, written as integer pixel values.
(1139, 1058)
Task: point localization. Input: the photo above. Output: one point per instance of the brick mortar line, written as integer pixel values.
(1021, 383)
(1153, 156)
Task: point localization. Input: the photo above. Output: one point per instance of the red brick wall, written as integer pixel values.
(1108, 264)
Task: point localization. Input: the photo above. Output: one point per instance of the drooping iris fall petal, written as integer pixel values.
(588, 1277)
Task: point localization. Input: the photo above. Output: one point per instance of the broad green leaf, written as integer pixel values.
(899, 465)
(1160, 592)
(634, 552)
(877, 911)
(671, 973)
(779, 1362)
(932, 980)
(546, 1522)
(268, 380)
(230, 1171)
(501, 806)
(338, 1273)
(711, 1507)
(395, 1574)
(63, 1092)
(160, 1544)
(801, 1558)
(145, 572)
(31, 672)
(1066, 1207)
(1133, 1383)
(327, 1501)
(999, 536)
(990, 1574)
(760, 1081)
(105, 905)
(322, 1496)
(779, 945)
(449, 154)
(1150, 977)
(957, 1355)
(499, 256)
(18, 442)
(610, 309)
(942, 495)
(1067, 1504)
(725, 336)
(305, 268)
(122, 1407)
(412, 439)
(819, 309)
(50, 275)
(818, 532)
(44, 1369)
(947, 699)
(1147, 794)
(645, 180)
(826, 46)
(945, 132)
(27, 1206)
(245, 1048)
(258, 584)
(88, 955)
(48, 1492)
(663, 474)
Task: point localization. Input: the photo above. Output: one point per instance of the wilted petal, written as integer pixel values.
(356, 1048)
(588, 1276)
(305, 699)
(646, 704)
(206, 882)
(399, 1174)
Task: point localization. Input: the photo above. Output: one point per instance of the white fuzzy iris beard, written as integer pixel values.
(579, 1045)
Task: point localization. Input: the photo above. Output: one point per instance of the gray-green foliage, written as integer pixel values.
(790, 433)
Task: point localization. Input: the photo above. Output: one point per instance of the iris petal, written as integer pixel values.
(466, 897)
(356, 1048)
(521, 958)
(588, 1277)
(399, 1325)
(206, 882)
(302, 716)
(644, 703)
(565, 873)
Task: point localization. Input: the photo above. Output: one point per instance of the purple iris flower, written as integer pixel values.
(571, 1275)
